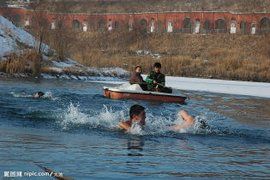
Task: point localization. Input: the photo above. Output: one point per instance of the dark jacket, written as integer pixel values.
(136, 78)
(153, 76)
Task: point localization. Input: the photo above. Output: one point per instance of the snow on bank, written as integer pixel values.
(70, 69)
(256, 89)
(220, 86)
(12, 37)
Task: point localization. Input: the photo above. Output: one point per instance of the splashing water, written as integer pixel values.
(21, 95)
(109, 119)
(106, 118)
(47, 95)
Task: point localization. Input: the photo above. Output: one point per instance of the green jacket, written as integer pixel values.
(153, 76)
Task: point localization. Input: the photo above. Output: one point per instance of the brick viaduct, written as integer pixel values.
(181, 21)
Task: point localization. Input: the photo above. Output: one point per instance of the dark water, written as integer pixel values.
(73, 131)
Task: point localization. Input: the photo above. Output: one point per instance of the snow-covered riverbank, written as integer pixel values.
(256, 89)
(220, 86)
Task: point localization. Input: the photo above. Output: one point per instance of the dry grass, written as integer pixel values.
(27, 62)
(220, 56)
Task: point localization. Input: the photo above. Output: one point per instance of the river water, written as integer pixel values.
(73, 131)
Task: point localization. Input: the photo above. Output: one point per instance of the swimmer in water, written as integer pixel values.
(137, 116)
(38, 94)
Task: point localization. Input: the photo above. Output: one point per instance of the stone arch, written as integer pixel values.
(187, 25)
(160, 26)
(116, 24)
(265, 25)
(243, 27)
(143, 24)
(91, 24)
(76, 25)
(60, 24)
(220, 26)
(207, 26)
(101, 25)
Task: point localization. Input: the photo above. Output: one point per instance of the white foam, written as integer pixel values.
(108, 119)
(105, 118)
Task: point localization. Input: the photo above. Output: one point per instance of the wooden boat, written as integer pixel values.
(115, 93)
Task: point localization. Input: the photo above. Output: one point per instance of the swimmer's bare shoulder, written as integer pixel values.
(124, 125)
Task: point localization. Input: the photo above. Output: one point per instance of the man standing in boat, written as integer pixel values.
(136, 78)
(137, 118)
(156, 80)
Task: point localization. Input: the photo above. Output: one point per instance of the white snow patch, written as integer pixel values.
(65, 64)
(219, 86)
(10, 35)
(256, 89)
(56, 69)
(148, 53)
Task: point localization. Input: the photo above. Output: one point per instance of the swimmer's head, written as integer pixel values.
(137, 113)
(38, 94)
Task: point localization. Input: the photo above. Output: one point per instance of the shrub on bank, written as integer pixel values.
(26, 62)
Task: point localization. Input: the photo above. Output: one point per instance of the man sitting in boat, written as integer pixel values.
(136, 78)
(137, 118)
(156, 80)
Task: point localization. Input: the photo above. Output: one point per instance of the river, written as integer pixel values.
(73, 131)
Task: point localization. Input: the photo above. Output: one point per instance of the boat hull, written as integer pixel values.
(148, 96)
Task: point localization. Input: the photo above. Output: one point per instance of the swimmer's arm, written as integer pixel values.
(123, 126)
(189, 121)
(179, 127)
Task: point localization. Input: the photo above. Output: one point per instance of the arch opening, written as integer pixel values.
(76, 25)
(187, 25)
(265, 25)
(220, 26)
(207, 26)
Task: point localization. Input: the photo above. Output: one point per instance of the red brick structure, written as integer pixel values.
(185, 22)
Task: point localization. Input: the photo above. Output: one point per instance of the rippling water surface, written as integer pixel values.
(73, 130)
